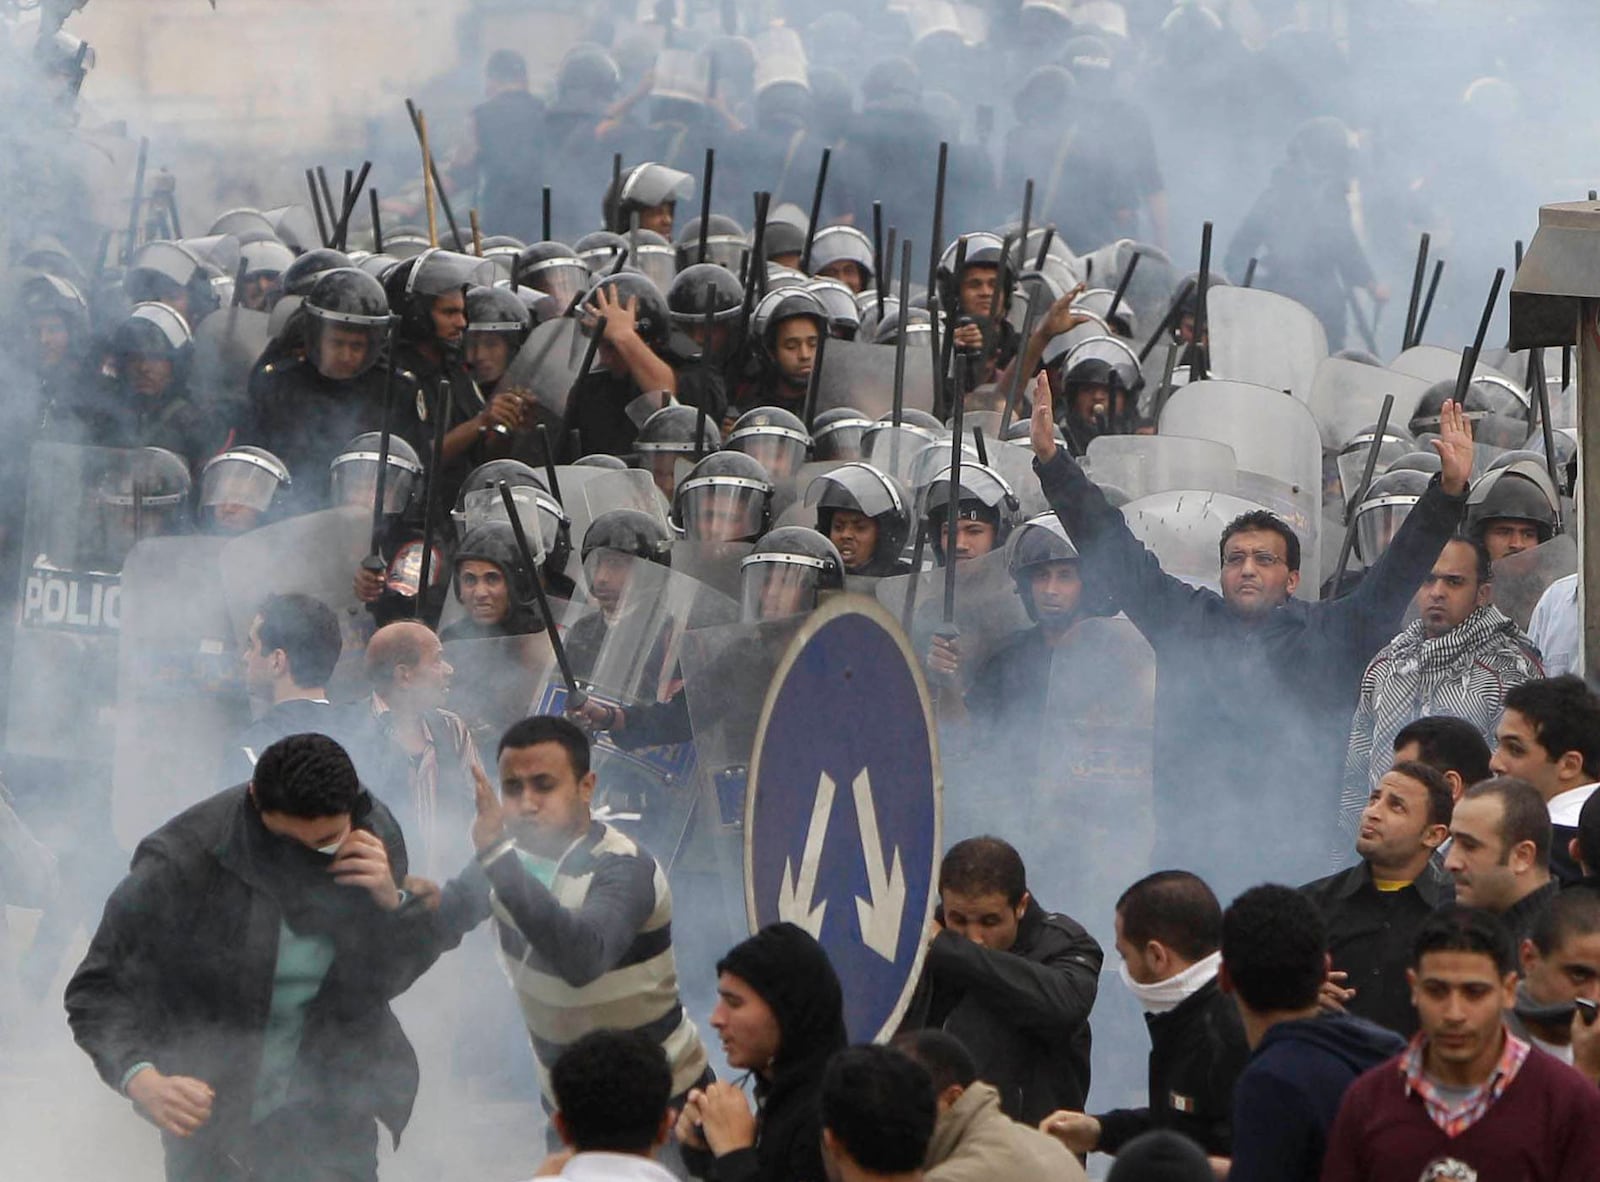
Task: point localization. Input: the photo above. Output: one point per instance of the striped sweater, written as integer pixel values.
(593, 951)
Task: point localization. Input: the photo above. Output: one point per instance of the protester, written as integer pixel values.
(1169, 927)
(1559, 991)
(973, 1140)
(237, 989)
(1467, 1099)
(1550, 737)
(1499, 855)
(612, 1090)
(1012, 982)
(1274, 964)
(1373, 910)
(877, 1115)
(1451, 746)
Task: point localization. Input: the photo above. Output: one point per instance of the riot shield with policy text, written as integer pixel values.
(1277, 447)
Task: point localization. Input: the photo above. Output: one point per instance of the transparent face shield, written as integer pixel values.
(1376, 524)
(773, 587)
(780, 454)
(895, 449)
(560, 279)
(540, 520)
(234, 480)
(1353, 459)
(841, 442)
(133, 508)
(342, 348)
(620, 583)
(658, 262)
(354, 482)
(722, 509)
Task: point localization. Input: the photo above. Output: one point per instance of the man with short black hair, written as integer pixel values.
(612, 1091)
(1373, 910)
(877, 1115)
(1169, 926)
(582, 912)
(1550, 737)
(1013, 982)
(1585, 846)
(1451, 746)
(1468, 1099)
(1500, 851)
(289, 655)
(238, 987)
(1250, 661)
(1274, 963)
(1559, 992)
(973, 1140)
(1460, 656)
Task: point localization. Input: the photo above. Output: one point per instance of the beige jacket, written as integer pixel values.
(975, 1142)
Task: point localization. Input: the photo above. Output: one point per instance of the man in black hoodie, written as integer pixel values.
(780, 1015)
(1274, 963)
(1013, 982)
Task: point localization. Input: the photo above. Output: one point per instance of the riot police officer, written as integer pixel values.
(668, 438)
(631, 378)
(866, 515)
(702, 293)
(788, 324)
(240, 489)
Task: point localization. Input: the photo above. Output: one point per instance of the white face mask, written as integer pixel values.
(330, 850)
(1161, 997)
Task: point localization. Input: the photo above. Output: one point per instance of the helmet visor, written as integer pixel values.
(237, 482)
(341, 350)
(1353, 461)
(772, 590)
(780, 455)
(895, 449)
(354, 481)
(1377, 524)
(539, 525)
(560, 279)
(722, 510)
(840, 443)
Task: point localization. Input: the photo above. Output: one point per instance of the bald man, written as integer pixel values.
(413, 754)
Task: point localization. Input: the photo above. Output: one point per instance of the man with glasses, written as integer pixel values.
(1254, 688)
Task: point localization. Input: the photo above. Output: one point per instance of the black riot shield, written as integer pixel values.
(79, 525)
(1520, 579)
(859, 375)
(226, 347)
(315, 554)
(181, 699)
(548, 363)
(988, 610)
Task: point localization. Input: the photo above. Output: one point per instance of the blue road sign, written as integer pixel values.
(842, 816)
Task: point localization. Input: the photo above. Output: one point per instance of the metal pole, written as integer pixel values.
(1361, 491)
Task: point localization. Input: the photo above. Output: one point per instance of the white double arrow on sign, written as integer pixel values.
(879, 916)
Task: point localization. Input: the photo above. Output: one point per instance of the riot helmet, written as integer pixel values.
(895, 449)
(863, 492)
(353, 475)
(555, 269)
(1518, 494)
(378, 265)
(919, 327)
(653, 254)
(1389, 501)
(600, 459)
(263, 262)
(47, 297)
(725, 243)
(172, 273)
(844, 254)
(497, 324)
(407, 242)
(844, 318)
(667, 439)
(1352, 458)
(586, 81)
(984, 497)
(1097, 303)
(300, 276)
(982, 250)
(836, 433)
(144, 495)
(726, 497)
(631, 532)
(1101, 363)
(247, 225)
(1498, 411)
(702, 288)
(346, 318)
(544, 521)
(774, 437)
(239, 487)
(295, 227)
(1037, 542)
(787, 572)
(481, 490)
(418, 283)
(648, 192)
(599, 251)
(152, 332)
(652, 319)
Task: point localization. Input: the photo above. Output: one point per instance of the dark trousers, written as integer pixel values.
(294, 1144)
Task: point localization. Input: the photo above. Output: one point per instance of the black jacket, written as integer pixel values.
(180, 974)
(1024, 1014)
(1369, 937)
(297, 716)
(1196, 1053)
(1283, 685)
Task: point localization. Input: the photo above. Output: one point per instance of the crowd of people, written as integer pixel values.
(405, 592)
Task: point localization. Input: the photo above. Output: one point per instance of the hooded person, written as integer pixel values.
(780, 1016)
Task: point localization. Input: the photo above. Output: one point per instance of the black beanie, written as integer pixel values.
(1160, 1156)
(791, 972)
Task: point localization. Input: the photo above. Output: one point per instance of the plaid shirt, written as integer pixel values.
(1458, 1119)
